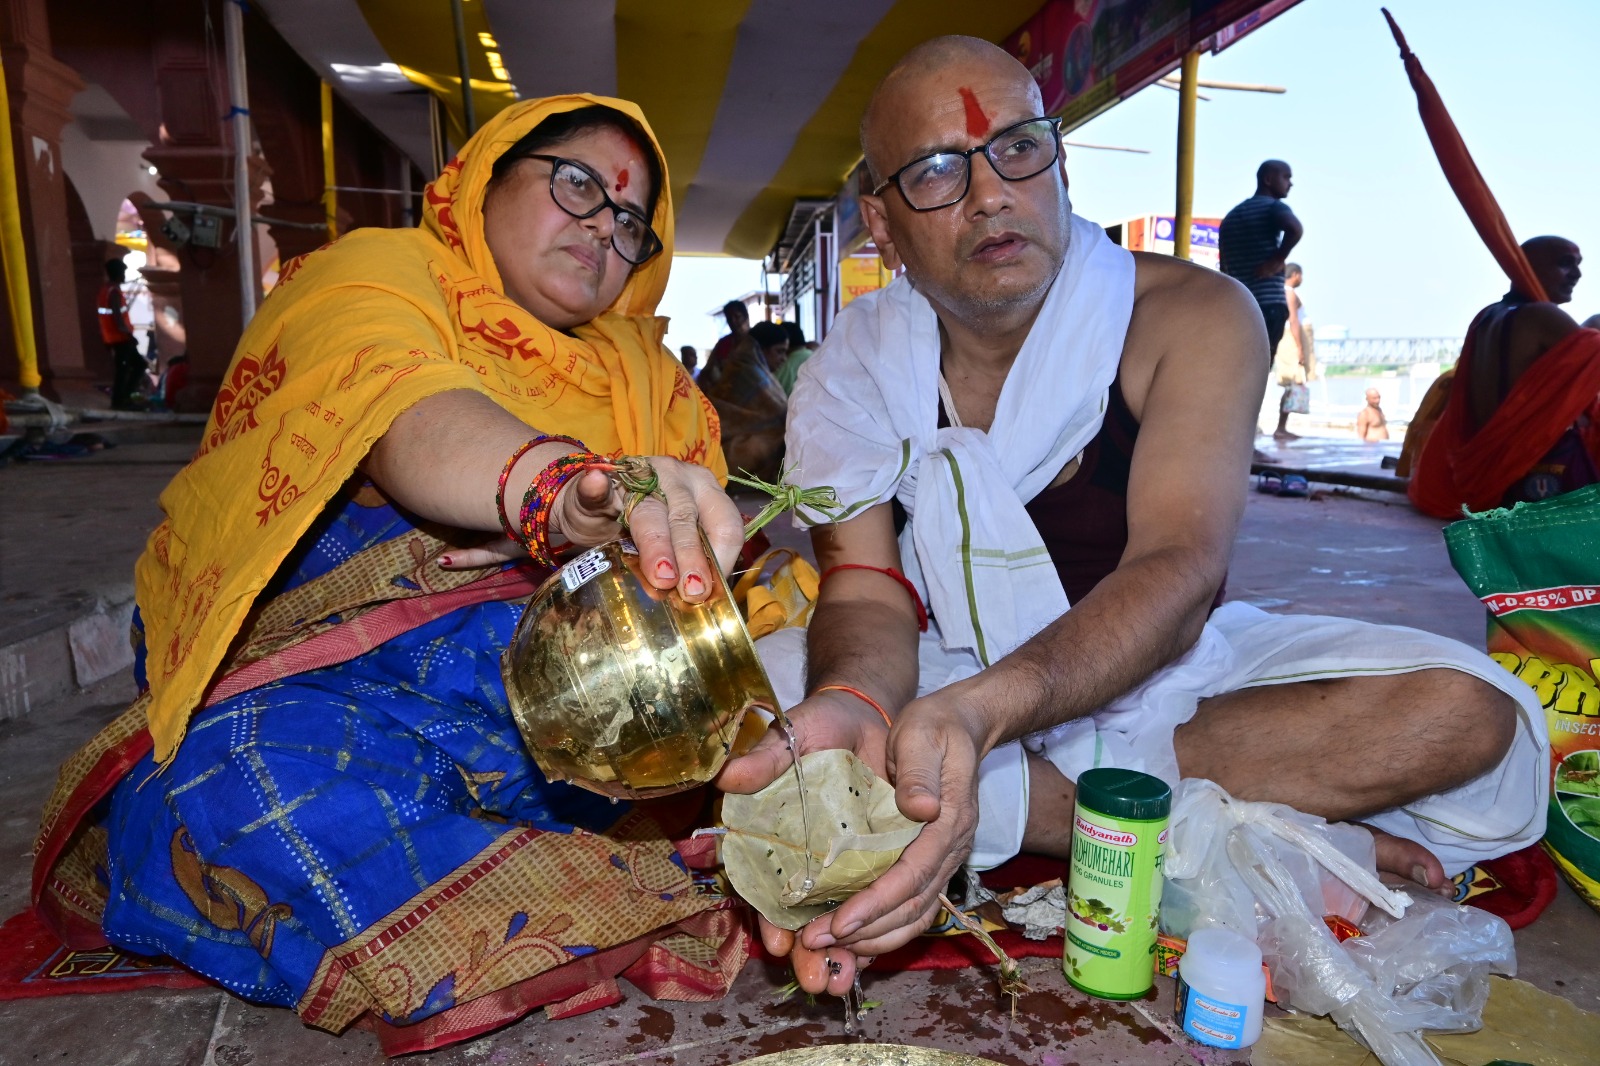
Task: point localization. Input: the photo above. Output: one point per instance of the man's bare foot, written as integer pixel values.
(1284, 434)
(1410, 861)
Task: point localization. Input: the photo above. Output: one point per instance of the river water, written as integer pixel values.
(1336, 398)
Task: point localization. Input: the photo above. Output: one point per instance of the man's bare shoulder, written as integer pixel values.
(1535, 329)
(1186, 311)
(1543, 320)
(1163, 285)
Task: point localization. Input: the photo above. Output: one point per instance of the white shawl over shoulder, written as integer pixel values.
(864, 419)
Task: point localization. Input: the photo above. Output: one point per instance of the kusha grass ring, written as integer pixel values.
(636, 477)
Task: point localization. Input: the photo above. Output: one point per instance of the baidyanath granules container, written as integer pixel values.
(1114, 884)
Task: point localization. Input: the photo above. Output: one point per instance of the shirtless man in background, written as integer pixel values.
(1371, 425)
(1516, 330)
(1486, 451)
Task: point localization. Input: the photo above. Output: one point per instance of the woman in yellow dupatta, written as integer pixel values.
(320, 799)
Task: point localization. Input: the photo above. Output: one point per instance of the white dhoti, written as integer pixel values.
(1242, 647)
(864, 421)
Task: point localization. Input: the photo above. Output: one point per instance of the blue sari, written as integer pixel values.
(301, 818)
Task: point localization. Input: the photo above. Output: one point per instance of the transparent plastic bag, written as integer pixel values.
(1437, 961)
(1203, 888)
(1425, 964)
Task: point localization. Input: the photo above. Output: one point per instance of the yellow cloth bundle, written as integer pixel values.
(355, 333)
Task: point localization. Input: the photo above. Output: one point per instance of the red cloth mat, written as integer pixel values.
(1517, 887)
(33, 963)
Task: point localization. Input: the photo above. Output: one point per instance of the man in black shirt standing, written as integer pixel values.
(1254, 244)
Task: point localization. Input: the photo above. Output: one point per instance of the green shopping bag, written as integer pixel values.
(1536, 567)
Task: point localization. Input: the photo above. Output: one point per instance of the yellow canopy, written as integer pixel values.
(755, 101)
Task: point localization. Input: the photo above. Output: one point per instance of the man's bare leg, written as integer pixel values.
(1343, 749)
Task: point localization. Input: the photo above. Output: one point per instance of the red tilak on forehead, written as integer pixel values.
(622, 179)
(977, 121)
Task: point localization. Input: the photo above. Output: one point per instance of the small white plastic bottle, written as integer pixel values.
(1221, 989)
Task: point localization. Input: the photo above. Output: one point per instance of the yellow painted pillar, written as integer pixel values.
(1183, 217)
(330, 195)
(15, 254)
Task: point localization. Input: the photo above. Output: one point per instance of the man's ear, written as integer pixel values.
(878, 225)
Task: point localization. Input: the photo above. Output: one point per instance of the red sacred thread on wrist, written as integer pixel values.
(505, 475)
(905, 583)
(858, 694)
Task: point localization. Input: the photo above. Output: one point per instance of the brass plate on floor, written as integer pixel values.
(868, 1055)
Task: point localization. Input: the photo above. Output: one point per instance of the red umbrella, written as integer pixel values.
(1462, 174)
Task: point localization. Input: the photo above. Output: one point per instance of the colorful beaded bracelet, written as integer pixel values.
(505, 475)
(534, 517)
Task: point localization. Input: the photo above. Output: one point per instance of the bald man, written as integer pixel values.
(1032, 419)
(1520, 421)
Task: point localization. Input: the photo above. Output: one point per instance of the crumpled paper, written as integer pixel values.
(1520, 1024)
(857, 832)
(1041, 910)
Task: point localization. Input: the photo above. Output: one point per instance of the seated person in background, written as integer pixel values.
(749, 401)
(321, 799)
(799, 352)
(689, 358)
(1060, 423)
(1520, 423)
(773, 344)
(1371, 426)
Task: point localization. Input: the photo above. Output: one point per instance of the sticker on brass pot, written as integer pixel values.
(584, 569)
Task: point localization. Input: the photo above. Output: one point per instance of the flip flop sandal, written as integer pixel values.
(1269, 484)
(1294, 485)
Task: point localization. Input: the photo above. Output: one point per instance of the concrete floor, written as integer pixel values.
(1365, 555)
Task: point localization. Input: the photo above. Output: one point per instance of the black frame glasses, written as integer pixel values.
(649, 244)
(988, 150)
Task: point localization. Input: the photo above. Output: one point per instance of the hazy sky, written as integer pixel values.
(1387, 252)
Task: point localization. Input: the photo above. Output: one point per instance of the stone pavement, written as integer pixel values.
(69, 532)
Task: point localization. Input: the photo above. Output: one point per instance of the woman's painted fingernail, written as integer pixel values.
(665, 571)
(694, 585)
(445, 560)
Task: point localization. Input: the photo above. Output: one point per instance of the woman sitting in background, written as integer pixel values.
(750, 403)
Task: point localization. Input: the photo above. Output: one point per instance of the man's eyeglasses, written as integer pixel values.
(581, 193)
(1016, 152)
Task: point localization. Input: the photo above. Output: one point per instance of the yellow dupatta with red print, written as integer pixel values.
(355, 333)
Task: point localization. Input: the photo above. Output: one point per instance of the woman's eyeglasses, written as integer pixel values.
(1016, 152)
(581, 193)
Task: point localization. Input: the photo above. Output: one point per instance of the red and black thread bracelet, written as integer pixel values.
(916, 598)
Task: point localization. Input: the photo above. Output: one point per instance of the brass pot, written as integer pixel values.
(628, 691)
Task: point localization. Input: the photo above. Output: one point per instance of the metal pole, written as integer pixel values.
(330, 194)
(239, 115)
(1183, 217)
(408, 216)
(467, 114)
